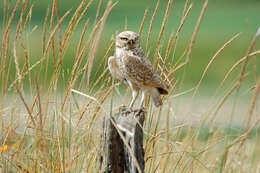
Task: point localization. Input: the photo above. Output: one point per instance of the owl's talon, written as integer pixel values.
(127, 110)
(142, 108)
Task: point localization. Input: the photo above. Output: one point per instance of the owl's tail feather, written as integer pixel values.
(156, 97)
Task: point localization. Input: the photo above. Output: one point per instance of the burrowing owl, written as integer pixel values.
(130, 65)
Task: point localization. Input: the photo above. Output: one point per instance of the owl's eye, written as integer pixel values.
(124, 38)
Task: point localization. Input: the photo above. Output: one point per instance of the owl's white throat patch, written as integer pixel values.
(119, 52)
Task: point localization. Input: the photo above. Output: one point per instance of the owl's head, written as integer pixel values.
(128, 39)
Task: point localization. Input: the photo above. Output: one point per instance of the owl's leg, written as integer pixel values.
(134, 94)
(143, 98)
(134, 97)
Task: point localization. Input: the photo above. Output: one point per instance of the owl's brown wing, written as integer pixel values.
(141, 71)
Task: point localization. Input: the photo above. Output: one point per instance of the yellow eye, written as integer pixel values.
(124, 38)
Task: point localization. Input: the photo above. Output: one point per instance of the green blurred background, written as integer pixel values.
(223, 19)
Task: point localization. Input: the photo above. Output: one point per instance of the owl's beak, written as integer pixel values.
(131, 42)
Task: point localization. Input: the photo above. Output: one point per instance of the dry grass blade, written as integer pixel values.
(45, 51)
(253, 103)
(101, 66)
(143, 21)
(26, 105)
(158, 44)
(4, 47)
(54, 32)
(71, 27)
(82, 37)
(151, 24)
(85, 95)
(7, 30)
(39, 106)
(213, 58)
(235, 86)
(18, 72)
(194, 35)
(178, 32)
(237, 63)
(98, 10)
(45, 28)
(241, 138)
(250, 49)
(110, 6)
(250, 113)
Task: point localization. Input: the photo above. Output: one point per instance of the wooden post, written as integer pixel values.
(115, 155)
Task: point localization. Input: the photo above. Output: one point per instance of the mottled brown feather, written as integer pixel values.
(141, 71)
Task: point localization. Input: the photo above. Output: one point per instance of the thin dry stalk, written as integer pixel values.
(110, 6)
(52, 14)
(102, 100)
(26, 50)
(59, 36)
(158, 44)
(235, 86)
(7, 30)
(39, 106)
(236, 64)
(98, 10)
(44, 33)
(19, 25)
(167, 136)
(169, 45)
(243, 70)
(92, 98)
(253, 103)
(5, 49)
(66, 102)
(44, 37)
(52, 34)
(19, 34)
(28, 17)
(143, 21)
(184, 18)
(51, 25)
(68, 33)
(101, 65)
(45, 51)
(237, 140)
(196, 30)
(250, 49)
(84, 12)
(125, 26)
(105, 70)
(250, 113)
(84, 49)
(185, 6)
(59, 142)
(82, 37)
(18, 73)
(4, 12)
(151, 24)
(79, 54)
(212, 60)
(26, 105)
(194, 35)
(156, 133)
